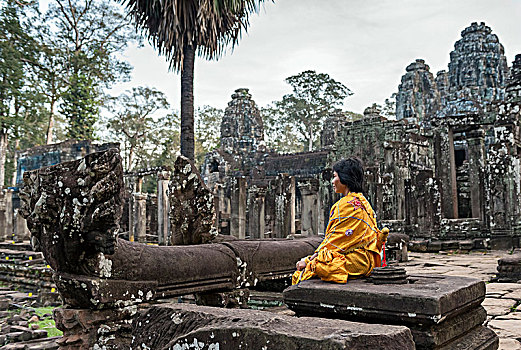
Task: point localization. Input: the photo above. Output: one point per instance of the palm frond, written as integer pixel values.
(210, 26)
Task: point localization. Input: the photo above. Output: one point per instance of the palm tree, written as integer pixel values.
(180, 28)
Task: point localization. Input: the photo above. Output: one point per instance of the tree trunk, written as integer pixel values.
(50, 125)
(187, 102)
(3, 153)
(15, 162)
(310, 145)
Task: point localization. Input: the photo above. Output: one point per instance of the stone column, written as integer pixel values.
(446, 172)
(21, 232)
(163, 207)
(285, 206)
(9, 214)
(310, 207)
(256, 221)
(238, 209)
(3, 216)
(476, 159)
(140, 218)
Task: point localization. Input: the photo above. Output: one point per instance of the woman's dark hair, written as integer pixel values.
(351, 173)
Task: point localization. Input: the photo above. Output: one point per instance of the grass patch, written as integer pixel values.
(47, 323)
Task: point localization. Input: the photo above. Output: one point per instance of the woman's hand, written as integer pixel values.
(301, 265)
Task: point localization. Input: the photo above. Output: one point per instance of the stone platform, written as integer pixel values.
(443, 312)
(502, 301)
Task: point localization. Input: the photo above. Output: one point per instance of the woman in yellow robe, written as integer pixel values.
(352, 244)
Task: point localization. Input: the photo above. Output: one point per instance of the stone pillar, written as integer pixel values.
(476, 159)
(140, 218)
(256, 211)
(3, 216)
(310, 207)
(9, 214)
(446, 172)
(284, 206)
(163, 207)
(21, 232)
(238, 208)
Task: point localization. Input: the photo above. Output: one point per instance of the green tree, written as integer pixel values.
(133, 124)
(166, 143)
(17, 100)
(207, 131)
(314, 97)
(81, 41)
(180, 28)
(279, 135)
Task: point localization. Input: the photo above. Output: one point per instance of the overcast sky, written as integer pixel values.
(365, 44)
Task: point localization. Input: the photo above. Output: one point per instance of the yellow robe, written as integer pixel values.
(352, 244)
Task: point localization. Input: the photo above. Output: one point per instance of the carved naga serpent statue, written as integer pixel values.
(73, 210)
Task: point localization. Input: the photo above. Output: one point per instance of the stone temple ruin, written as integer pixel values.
(446, 172)
(118, 294)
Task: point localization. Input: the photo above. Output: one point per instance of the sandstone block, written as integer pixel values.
(187, 326)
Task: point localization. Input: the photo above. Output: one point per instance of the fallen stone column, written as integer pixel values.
(182, 326)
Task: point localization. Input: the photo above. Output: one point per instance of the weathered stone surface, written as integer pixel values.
(86, 329)
(478, 66)
(192, 210)
(418, 98)
(479, 338)
(509, 344)
(185, 326)
(496, 307)
(427, 300)
(264, 260)
(242, 129)
(438, 310)
(510, 328)
(97, 271)
(509, 268)
(73, 209)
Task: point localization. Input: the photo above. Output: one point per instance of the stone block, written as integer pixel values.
(88, 329)
(480, 243)
(188, 326)
(509, 268)
(418, 246)
(479, 338)
(501, 243)
(437, 309)
(466, 245)
(429, 299)
(434, 246)
(450, 245)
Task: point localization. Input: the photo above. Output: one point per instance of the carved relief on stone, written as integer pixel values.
(478, 65)
(418, 98)
(242, 128)
(73, 209)
(192, 210)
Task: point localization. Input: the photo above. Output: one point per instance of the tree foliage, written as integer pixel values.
(207, 131)
(301, 114)
(80, 40)
(180, 28)
(134, 124)
(20, 107)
